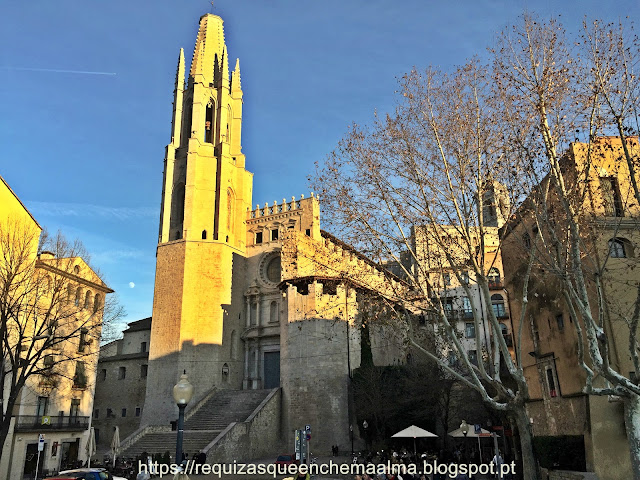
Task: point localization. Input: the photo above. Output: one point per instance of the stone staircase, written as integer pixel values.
(203, 425)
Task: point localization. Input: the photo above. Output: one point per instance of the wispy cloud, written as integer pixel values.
(88, 210)
(59, 70)
(115, 256)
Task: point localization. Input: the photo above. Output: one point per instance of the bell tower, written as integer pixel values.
(201, 249)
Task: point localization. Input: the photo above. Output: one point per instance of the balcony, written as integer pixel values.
(30, 423)
(495, 284)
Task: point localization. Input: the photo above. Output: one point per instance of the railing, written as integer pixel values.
(495, 284)
(38, 422)
(285, 206)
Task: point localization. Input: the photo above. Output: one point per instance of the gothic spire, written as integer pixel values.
(209, 42)
(225, 67)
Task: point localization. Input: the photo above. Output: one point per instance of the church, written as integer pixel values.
(248, 300)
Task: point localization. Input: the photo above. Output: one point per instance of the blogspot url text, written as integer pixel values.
(452, 470)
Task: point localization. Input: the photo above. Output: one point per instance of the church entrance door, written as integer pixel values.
(271, 369)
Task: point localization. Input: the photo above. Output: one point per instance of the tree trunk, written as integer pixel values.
(632, 423)
(529, 463)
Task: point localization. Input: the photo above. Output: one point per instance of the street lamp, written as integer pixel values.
(365, 425)
(351, 435)
(182, 393)
(464, 428)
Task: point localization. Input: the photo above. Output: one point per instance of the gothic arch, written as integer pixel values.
(178, 205)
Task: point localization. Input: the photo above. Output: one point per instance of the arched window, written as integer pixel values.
(618, 248)
(209, 123)
(273, 312)
(494, 278)
(78, 300)
(69, 293)
(526, 241)
(87, 300)
(97, 302)
(497, 303)
(204, 234)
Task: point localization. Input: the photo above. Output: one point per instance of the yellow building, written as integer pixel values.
(56, 339)
(591, 427)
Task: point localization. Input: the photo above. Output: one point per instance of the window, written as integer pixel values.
(464, 277)
(467, 308)
(526, 241)
(551, 382)
(80, 377)
(78, 297)
(42, 407)
(48, 361)
(82, 341)
(446, 279)
(307, 232)
(274, 234)
(611, 197)
(97, 302)
(448, 307)
(143, 347)
(96, 413)
(109, 413)
(470, 330)
(124, 412)
(208, 124)
(87, 300)
(122, 373)
(144, 370)
(617, 248)
(473, 357)
(494, 278)
(452, 359)
(204, 234)
(103, 374)
(273, 270)
(560, 321)
(138, 411)
(258, 237)
(497, 303)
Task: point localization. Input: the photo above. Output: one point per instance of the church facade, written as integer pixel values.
(247, 298)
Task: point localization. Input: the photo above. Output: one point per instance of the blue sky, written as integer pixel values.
(84, 151)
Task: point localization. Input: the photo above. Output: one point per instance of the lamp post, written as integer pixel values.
(365, 425)
(464, 428)
(182, 393)
(351, 435)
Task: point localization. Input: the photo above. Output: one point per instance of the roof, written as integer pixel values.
(138, 325)
(20, 201)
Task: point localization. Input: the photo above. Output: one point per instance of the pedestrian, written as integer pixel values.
(497, 461)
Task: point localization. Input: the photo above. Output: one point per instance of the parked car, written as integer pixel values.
(89, 474)
(287, 460)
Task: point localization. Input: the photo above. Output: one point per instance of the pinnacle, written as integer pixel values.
(235, 78)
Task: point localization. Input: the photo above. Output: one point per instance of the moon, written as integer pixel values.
(132, 285)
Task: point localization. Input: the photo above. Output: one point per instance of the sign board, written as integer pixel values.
(307, 428)
(308, 437)
(41, 442)
(477, 429)
(46, 420)
(298, 444)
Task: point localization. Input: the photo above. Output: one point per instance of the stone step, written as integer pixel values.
(201, 428)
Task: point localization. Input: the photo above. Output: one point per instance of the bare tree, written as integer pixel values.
(432, 182)
(584, 199)
(52, 313)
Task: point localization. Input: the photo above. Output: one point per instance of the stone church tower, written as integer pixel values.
(205, 198)
(241, 299)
